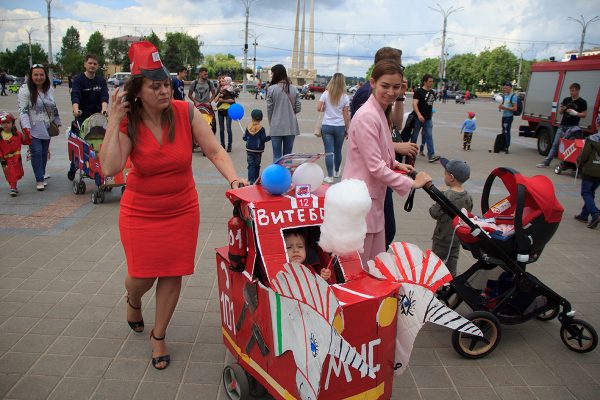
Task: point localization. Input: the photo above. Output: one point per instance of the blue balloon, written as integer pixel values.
(236, 111)
(276, 179)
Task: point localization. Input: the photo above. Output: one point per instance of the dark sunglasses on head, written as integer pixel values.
(37, 66)
(402, 67)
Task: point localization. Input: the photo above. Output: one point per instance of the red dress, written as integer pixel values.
(160, 216)
(10, 157)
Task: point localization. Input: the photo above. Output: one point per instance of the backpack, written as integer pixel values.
(519, 106)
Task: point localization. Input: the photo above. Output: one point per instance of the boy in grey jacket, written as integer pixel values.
(456, 172)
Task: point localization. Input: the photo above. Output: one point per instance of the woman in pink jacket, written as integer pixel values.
(370, 153)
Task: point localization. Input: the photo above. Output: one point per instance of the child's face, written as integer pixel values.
(296, 249)
(7, 126)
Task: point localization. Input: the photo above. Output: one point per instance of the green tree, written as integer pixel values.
(95, 45)
(16, 62)
(460, 71)
(496, 66)
(71, 52)
(155, 40)
(117, 53)
(220, 63)
(414, 73)
(179, 49)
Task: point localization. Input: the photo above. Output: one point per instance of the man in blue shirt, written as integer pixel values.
(508, 107)
(177, 84)
(89, 93)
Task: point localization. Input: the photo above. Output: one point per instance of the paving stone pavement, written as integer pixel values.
(63, 333)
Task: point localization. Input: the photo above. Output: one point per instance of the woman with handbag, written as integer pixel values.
(39, 119)
(283, 103)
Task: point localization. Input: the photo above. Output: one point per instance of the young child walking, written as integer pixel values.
(467, 130)
(10, 151)
(456, 172)
(255, 138)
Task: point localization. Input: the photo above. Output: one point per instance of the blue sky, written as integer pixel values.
(535, 28)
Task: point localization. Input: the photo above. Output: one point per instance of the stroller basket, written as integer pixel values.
(521, 224)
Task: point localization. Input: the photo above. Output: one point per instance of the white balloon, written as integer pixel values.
(499, 99)
(308, 174)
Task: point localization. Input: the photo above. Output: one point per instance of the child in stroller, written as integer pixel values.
(513, 234)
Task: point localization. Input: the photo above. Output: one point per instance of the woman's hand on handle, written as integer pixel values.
(421, 180)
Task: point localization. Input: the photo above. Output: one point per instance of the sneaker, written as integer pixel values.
(45, 183)
(594, 222)
(505, 151)
(542, 165)
(47, 176)
(328, 179)
(39, 186)
(13, 192)
(336, 174)
(579, 218)
(433, 158)
(422, 154)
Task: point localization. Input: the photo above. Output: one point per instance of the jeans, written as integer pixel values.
(282, 145)
(253, 159)
(39, 157)
(506, 124)
(588, 189)
(389, 217)
(427, 126)
(554, 149)
(333, 140)
(224, 116)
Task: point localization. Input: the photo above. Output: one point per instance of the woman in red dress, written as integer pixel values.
(159, 217)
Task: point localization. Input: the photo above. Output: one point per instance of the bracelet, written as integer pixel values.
(231, 183)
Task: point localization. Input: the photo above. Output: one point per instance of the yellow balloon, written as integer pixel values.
(387, 311)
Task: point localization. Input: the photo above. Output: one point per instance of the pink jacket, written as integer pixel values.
(370, 157)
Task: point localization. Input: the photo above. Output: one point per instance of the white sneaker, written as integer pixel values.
(39, 186)
(45, 183)
(47, 176)
(328, 179)
(336, 174)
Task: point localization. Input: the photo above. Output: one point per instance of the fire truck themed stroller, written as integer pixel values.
(84, 156)
(512, 234)
(299, 337)
(569, 149)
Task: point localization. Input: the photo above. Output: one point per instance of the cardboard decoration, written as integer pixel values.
(302, 338)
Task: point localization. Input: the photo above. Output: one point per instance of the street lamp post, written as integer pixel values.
(247, 4)
(583, 29)
(29, 32)
(445, 14)
(48, 2)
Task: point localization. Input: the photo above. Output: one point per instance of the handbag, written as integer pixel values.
(53, 129)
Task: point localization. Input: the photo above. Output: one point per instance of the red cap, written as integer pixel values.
(7, 117)
(471, 114)
(145, 61)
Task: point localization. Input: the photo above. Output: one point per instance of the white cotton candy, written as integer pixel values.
(344, 226)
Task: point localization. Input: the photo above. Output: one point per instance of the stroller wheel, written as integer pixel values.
(557, 170)
(473, 347)
(236, 382)
(579, 336)
(548, 314)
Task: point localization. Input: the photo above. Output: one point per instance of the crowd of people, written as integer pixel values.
(151, 123)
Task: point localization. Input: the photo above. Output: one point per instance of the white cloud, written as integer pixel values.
(537, 28)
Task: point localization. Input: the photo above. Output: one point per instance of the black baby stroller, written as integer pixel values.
(530, 215)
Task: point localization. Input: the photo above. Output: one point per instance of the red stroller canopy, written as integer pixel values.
(539, 192)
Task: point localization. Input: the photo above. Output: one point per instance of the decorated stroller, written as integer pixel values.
(298, 336)
(512, 234)
(84, 156)
(569, 148)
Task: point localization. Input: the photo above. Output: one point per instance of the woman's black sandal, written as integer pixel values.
(135, 326)
(155, 360)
